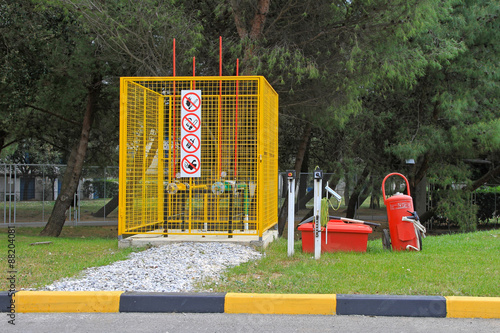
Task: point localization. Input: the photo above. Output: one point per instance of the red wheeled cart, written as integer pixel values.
(405, 231)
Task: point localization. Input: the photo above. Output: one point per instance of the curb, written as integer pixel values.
(325, 304)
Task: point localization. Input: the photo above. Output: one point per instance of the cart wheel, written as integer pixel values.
(386, 239)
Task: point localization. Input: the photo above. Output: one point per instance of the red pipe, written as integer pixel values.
(173, 108)
(194, 72)
(220, 103)
(236, 123)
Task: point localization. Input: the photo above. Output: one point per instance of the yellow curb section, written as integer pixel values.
(67, 301)
(280, 303)
(472, 307)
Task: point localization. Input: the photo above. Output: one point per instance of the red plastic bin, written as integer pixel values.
(341, 237)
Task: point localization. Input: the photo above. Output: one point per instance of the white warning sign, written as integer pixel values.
(191, 133)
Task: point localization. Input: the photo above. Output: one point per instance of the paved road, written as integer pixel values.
(173, 323)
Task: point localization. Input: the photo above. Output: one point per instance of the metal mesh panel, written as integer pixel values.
(236, 193)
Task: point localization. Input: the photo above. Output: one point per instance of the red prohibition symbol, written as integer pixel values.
(190, 143)
(191, 122)
(190, 164)
(191, 102)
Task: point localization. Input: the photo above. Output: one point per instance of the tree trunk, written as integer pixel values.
(415, 181)
(283, 214)
(374, 202)
(74, 167)
(303, 182)
(353, 200)
(253, 31)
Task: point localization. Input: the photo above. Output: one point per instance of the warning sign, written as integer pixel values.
(191, 123)
(190, 143)
(190, 165)
(191, 101)
(191, 133)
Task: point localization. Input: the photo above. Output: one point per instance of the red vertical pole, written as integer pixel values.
(173, 109)
(194, 72)
(236, 123)
(220, 104)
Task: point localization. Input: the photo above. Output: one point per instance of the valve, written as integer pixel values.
(218, 188)
(172, 188)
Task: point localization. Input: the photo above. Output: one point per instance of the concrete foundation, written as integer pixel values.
(142, 240)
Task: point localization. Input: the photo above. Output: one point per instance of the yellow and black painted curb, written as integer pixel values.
(325, 304)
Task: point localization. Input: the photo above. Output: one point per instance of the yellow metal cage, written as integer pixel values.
(235, 192)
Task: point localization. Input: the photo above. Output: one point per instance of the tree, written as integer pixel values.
(451, 114)
(27, 154)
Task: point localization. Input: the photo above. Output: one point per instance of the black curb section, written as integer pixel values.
(5, 299)
(390, 305)
(172, 302)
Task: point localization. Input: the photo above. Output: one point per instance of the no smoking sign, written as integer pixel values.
(191, 123)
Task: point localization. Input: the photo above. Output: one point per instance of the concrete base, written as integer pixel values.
(142, 240)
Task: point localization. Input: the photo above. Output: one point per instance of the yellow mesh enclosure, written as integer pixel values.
(234, 133)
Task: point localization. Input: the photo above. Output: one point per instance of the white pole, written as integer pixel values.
(318, 179)
(291, 212)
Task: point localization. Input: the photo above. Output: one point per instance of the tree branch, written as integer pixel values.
(484, 179)
(52, 114)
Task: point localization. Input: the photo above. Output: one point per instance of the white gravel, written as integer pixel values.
(169, 268)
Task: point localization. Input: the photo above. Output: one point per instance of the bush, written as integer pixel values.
(456, 206)
(488, 202)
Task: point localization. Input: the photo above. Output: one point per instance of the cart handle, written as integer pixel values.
(395, 174)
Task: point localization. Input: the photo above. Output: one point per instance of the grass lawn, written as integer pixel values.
(450, 265)
(76, 249)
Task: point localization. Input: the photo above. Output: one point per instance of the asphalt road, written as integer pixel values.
(220, 323)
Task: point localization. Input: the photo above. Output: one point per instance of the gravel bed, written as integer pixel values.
(169, 268)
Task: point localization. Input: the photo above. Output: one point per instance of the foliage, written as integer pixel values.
(455, 205)
(31, 151)
(487, 200)
(363, 84)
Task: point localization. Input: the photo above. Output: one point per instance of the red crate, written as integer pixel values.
(340, 236)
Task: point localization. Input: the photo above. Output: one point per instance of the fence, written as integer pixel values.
(29, 191)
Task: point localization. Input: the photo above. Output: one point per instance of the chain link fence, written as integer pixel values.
(29, 191)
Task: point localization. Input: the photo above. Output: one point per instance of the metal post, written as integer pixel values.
(105, 194)
(318, 180)
(79, 208)
(5, 193)
(43, 193)
(291, 211)
(15, 197)
(10, 193)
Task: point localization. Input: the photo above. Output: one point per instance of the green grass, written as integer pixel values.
(76, 249)
(450, 265)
